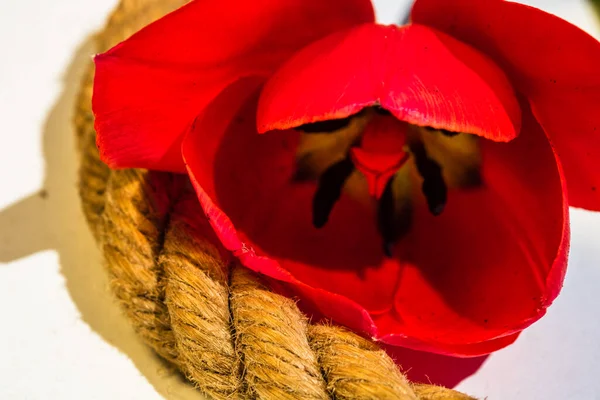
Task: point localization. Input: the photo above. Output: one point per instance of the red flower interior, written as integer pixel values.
(550, 61)
(405, 183)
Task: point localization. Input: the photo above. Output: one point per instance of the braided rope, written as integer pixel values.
(218, 323)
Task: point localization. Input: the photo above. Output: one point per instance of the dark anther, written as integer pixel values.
(381, 111)
(386, 218)
(303, 171)
(444, 132)
(328, 126)
(448, 133)
(434, 187)
(329, 190)
(394, 217)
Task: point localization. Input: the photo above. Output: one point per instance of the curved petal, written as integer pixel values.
(552, 62)
(149, 89)
(472, 277)
(422, 76)
(448, 349)
(245, 184)
(494, 260)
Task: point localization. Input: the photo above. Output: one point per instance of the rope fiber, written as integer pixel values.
(214, 320)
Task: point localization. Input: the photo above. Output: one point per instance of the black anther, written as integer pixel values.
(434, 187)
(448, 133)
(444, 132)
(386, 218)
(328, 126)
(329, 190)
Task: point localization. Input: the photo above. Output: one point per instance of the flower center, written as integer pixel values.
(380, 152)
(380, 149)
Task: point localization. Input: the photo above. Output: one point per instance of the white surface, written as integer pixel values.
(63, 337)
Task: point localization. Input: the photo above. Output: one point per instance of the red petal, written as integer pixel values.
(149, 89)
(473, 278)
(495, 259)
(551, 61)
(244, 183)
(422, 76)
(448, 349)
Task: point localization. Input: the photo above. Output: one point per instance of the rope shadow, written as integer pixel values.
(52, 219)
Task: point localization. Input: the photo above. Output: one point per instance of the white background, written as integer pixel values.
(61, 334)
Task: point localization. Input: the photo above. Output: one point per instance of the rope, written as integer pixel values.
(216, 321)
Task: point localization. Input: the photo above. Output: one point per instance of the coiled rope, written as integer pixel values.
(217, 322)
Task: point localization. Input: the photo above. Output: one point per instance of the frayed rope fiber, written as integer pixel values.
(219, 324)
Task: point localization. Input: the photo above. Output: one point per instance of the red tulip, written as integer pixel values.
(409, 182)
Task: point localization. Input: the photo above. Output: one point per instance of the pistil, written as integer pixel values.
(381, 151)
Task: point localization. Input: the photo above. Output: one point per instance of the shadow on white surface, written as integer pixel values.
(52, 219)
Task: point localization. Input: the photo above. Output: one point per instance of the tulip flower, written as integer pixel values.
(409, 182)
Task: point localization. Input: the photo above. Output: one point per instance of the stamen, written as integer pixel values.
(328, 126)
(448, 133)
(434, 187)
(394, 217)
(385, 218)
(329, 190)
(444, 132)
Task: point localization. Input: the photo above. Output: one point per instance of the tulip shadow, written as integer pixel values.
(52, 219)
(434, 368)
